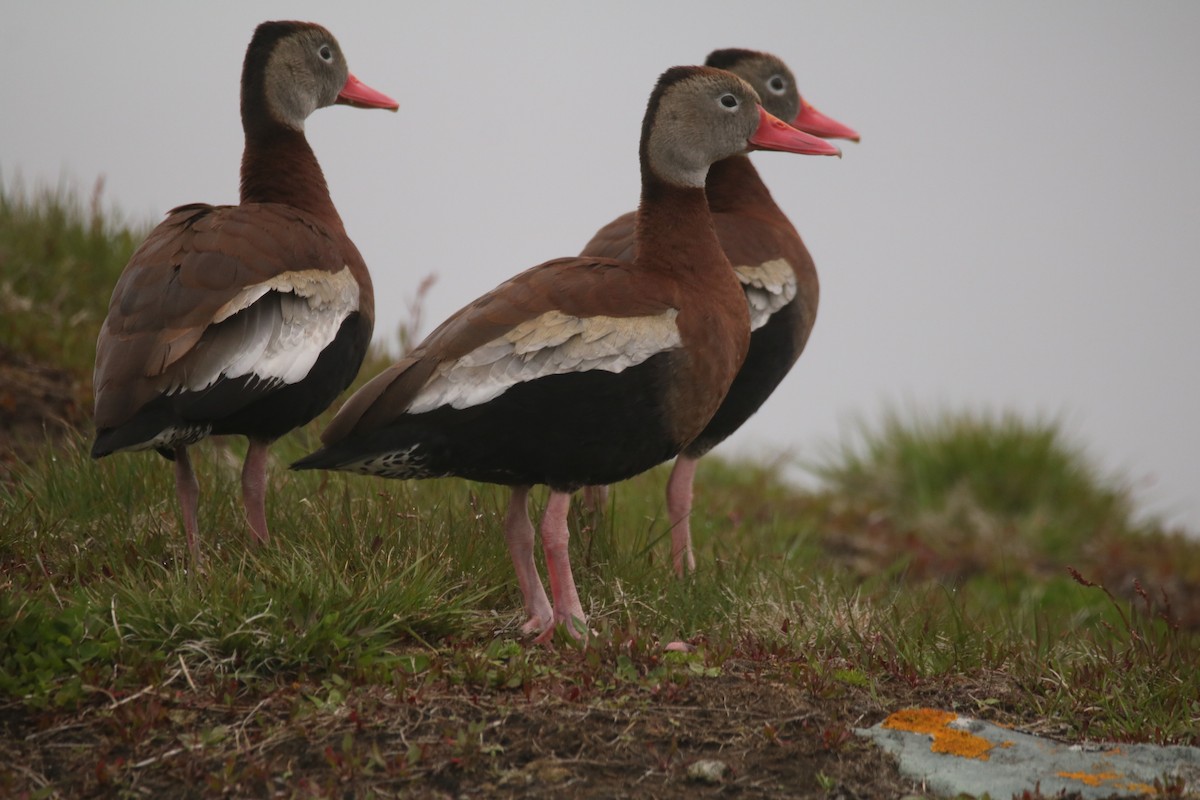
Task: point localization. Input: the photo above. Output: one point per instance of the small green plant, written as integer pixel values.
(48, 651)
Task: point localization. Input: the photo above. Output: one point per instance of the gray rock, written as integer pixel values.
(707, 770)
(958, 755)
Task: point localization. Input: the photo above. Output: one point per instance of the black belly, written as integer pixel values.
(291, 406)
(772, 354)
(245, 406)
(564, 431)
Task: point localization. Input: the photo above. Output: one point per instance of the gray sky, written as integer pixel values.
(1019, 229)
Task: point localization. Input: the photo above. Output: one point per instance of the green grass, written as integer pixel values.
(937, 553)
(363, 572)
(59, 262)
(974, 472)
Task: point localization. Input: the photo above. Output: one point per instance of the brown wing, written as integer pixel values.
(564, 315)
(615, 240)
(201, 266)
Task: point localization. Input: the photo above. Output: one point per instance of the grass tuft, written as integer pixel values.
(980, 475)
(59, 261)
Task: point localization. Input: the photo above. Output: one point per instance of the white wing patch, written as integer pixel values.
(769, 287)
(274, 330)
(551, 344)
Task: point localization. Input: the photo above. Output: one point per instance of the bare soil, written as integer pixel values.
(778, 730)
(38, 402)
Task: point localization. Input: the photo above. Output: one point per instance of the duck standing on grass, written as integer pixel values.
(581, 370)
(246, 319)
(773, 265)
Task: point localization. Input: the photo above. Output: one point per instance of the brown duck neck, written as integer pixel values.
(734, 185)
(675, 229)
(278, 166)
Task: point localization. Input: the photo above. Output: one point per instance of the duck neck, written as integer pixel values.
(278, 166)
(734, 185)
(675, 229)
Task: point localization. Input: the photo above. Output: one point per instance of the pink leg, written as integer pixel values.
(254, 489)
(518, 532)
(595, 498)
(555, 536)
(679, 510)
(188, 492)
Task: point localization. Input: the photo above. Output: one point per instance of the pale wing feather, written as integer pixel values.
(274, 330)
(304, 333)
(223, 347)
(553, 343)
(259, 328)
(768, 286)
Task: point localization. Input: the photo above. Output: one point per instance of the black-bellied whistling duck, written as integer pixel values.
(771, 262)
(580, 370)
(246, 319)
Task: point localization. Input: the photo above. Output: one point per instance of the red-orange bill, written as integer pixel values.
(775, 134)
(812, 121)
(358, 94)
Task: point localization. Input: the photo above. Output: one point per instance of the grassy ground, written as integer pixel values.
(976, 564)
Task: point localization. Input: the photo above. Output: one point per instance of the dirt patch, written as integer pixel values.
(772, 736)
(38, 402)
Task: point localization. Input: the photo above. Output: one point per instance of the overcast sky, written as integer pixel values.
(1018, 230)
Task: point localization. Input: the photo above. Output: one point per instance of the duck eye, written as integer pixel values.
(777, 84)
(325, 53)
(729, 101)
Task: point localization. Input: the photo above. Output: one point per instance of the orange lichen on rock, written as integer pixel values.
(937, 724)
(1090, 778)
(1113, 778)
(1136, 786)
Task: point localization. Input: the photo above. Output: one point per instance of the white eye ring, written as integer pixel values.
(777, 84)
(728, 101)
(325, 53)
